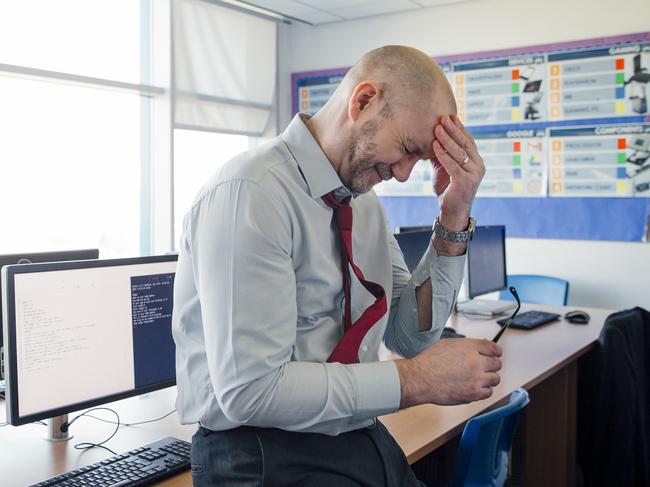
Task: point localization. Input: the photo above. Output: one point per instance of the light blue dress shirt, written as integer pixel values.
(258, 298)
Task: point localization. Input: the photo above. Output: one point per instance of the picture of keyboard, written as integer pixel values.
(142, 466)
(530, 319)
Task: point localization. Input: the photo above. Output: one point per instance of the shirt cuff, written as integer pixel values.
(377, 389)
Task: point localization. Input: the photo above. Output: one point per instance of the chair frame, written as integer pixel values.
(518, 400)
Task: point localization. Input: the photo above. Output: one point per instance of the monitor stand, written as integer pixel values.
(485, 307)
(54, 430)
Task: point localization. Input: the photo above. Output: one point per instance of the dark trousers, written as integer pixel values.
(248, 456)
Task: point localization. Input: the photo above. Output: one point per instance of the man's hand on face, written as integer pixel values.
(450, 372)
(458, 170)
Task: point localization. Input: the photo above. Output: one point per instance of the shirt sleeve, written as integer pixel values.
(403, 335)
(241, 246)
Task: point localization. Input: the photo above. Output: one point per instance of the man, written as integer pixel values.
(289, 278)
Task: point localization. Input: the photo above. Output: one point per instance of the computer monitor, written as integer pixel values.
(413, 245)
(486, 271)
(84, 333)
(486, 261)
(30, 258)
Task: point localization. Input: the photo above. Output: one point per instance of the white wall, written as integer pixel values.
(602, 274)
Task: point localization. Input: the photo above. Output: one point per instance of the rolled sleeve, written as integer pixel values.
(403, 335)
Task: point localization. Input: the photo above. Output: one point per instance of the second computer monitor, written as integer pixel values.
(486, 261)
(413, 245)
(85, 333)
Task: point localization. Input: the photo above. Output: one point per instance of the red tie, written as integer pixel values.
(347, 350)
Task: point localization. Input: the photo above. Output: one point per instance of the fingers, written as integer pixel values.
(446, 161)
(458, 130)
(492, 364)
(485, 392)
(451, 139)
(492, 379)
(489, 349)
(457, 141)
(462, 128)
(440, 179)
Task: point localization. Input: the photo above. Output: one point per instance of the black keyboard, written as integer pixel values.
(142, 466)
(530, 319)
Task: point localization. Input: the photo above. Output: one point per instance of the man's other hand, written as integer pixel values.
(450, 372)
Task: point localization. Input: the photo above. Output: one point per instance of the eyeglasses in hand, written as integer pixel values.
(513, 291)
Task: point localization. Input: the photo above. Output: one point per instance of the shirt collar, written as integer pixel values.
(319, 174)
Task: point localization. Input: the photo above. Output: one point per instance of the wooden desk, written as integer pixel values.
(543, 361)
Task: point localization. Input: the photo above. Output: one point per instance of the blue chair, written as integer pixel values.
(482, 458)
(537, 289)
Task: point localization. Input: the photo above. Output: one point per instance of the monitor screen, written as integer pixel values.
(85, 333)
(30, 258)
(413, 245)
(486, 260)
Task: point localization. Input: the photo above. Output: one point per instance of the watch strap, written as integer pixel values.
(451, 236)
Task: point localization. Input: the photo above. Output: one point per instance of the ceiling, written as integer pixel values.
(317, 12)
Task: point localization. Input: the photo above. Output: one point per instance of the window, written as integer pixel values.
(87, 116)
(96, 38)
(70, 168)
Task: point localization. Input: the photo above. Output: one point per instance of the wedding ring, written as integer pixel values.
(465, 161)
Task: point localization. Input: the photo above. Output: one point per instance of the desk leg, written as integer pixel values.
(546, 451)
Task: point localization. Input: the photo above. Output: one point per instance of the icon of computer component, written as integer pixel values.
(642, 187)
(640, 146)
(527, 73)
(532, 107)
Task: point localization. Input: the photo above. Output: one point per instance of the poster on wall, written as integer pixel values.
(314, 92)
(500, 91)
(599, 83)
(602, 160)
(515, 163)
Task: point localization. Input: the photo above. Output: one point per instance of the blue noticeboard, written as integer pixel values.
(621, 219)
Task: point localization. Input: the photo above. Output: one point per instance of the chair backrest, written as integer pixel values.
(537, 289)
(482, 458)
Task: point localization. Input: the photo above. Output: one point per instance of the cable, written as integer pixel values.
(133, 424)
(118, 424)
(87, 445)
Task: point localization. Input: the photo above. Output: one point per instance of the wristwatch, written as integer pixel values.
(459, 237)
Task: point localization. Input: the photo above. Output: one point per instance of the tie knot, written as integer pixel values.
(331, 201)
(342, 210)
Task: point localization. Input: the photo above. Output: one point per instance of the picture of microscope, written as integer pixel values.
(637, 87)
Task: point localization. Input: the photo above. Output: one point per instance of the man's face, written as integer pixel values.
(382, 147)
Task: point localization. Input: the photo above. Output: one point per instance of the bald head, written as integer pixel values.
(407, 77)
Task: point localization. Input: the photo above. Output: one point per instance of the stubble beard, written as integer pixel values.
(361, 159)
